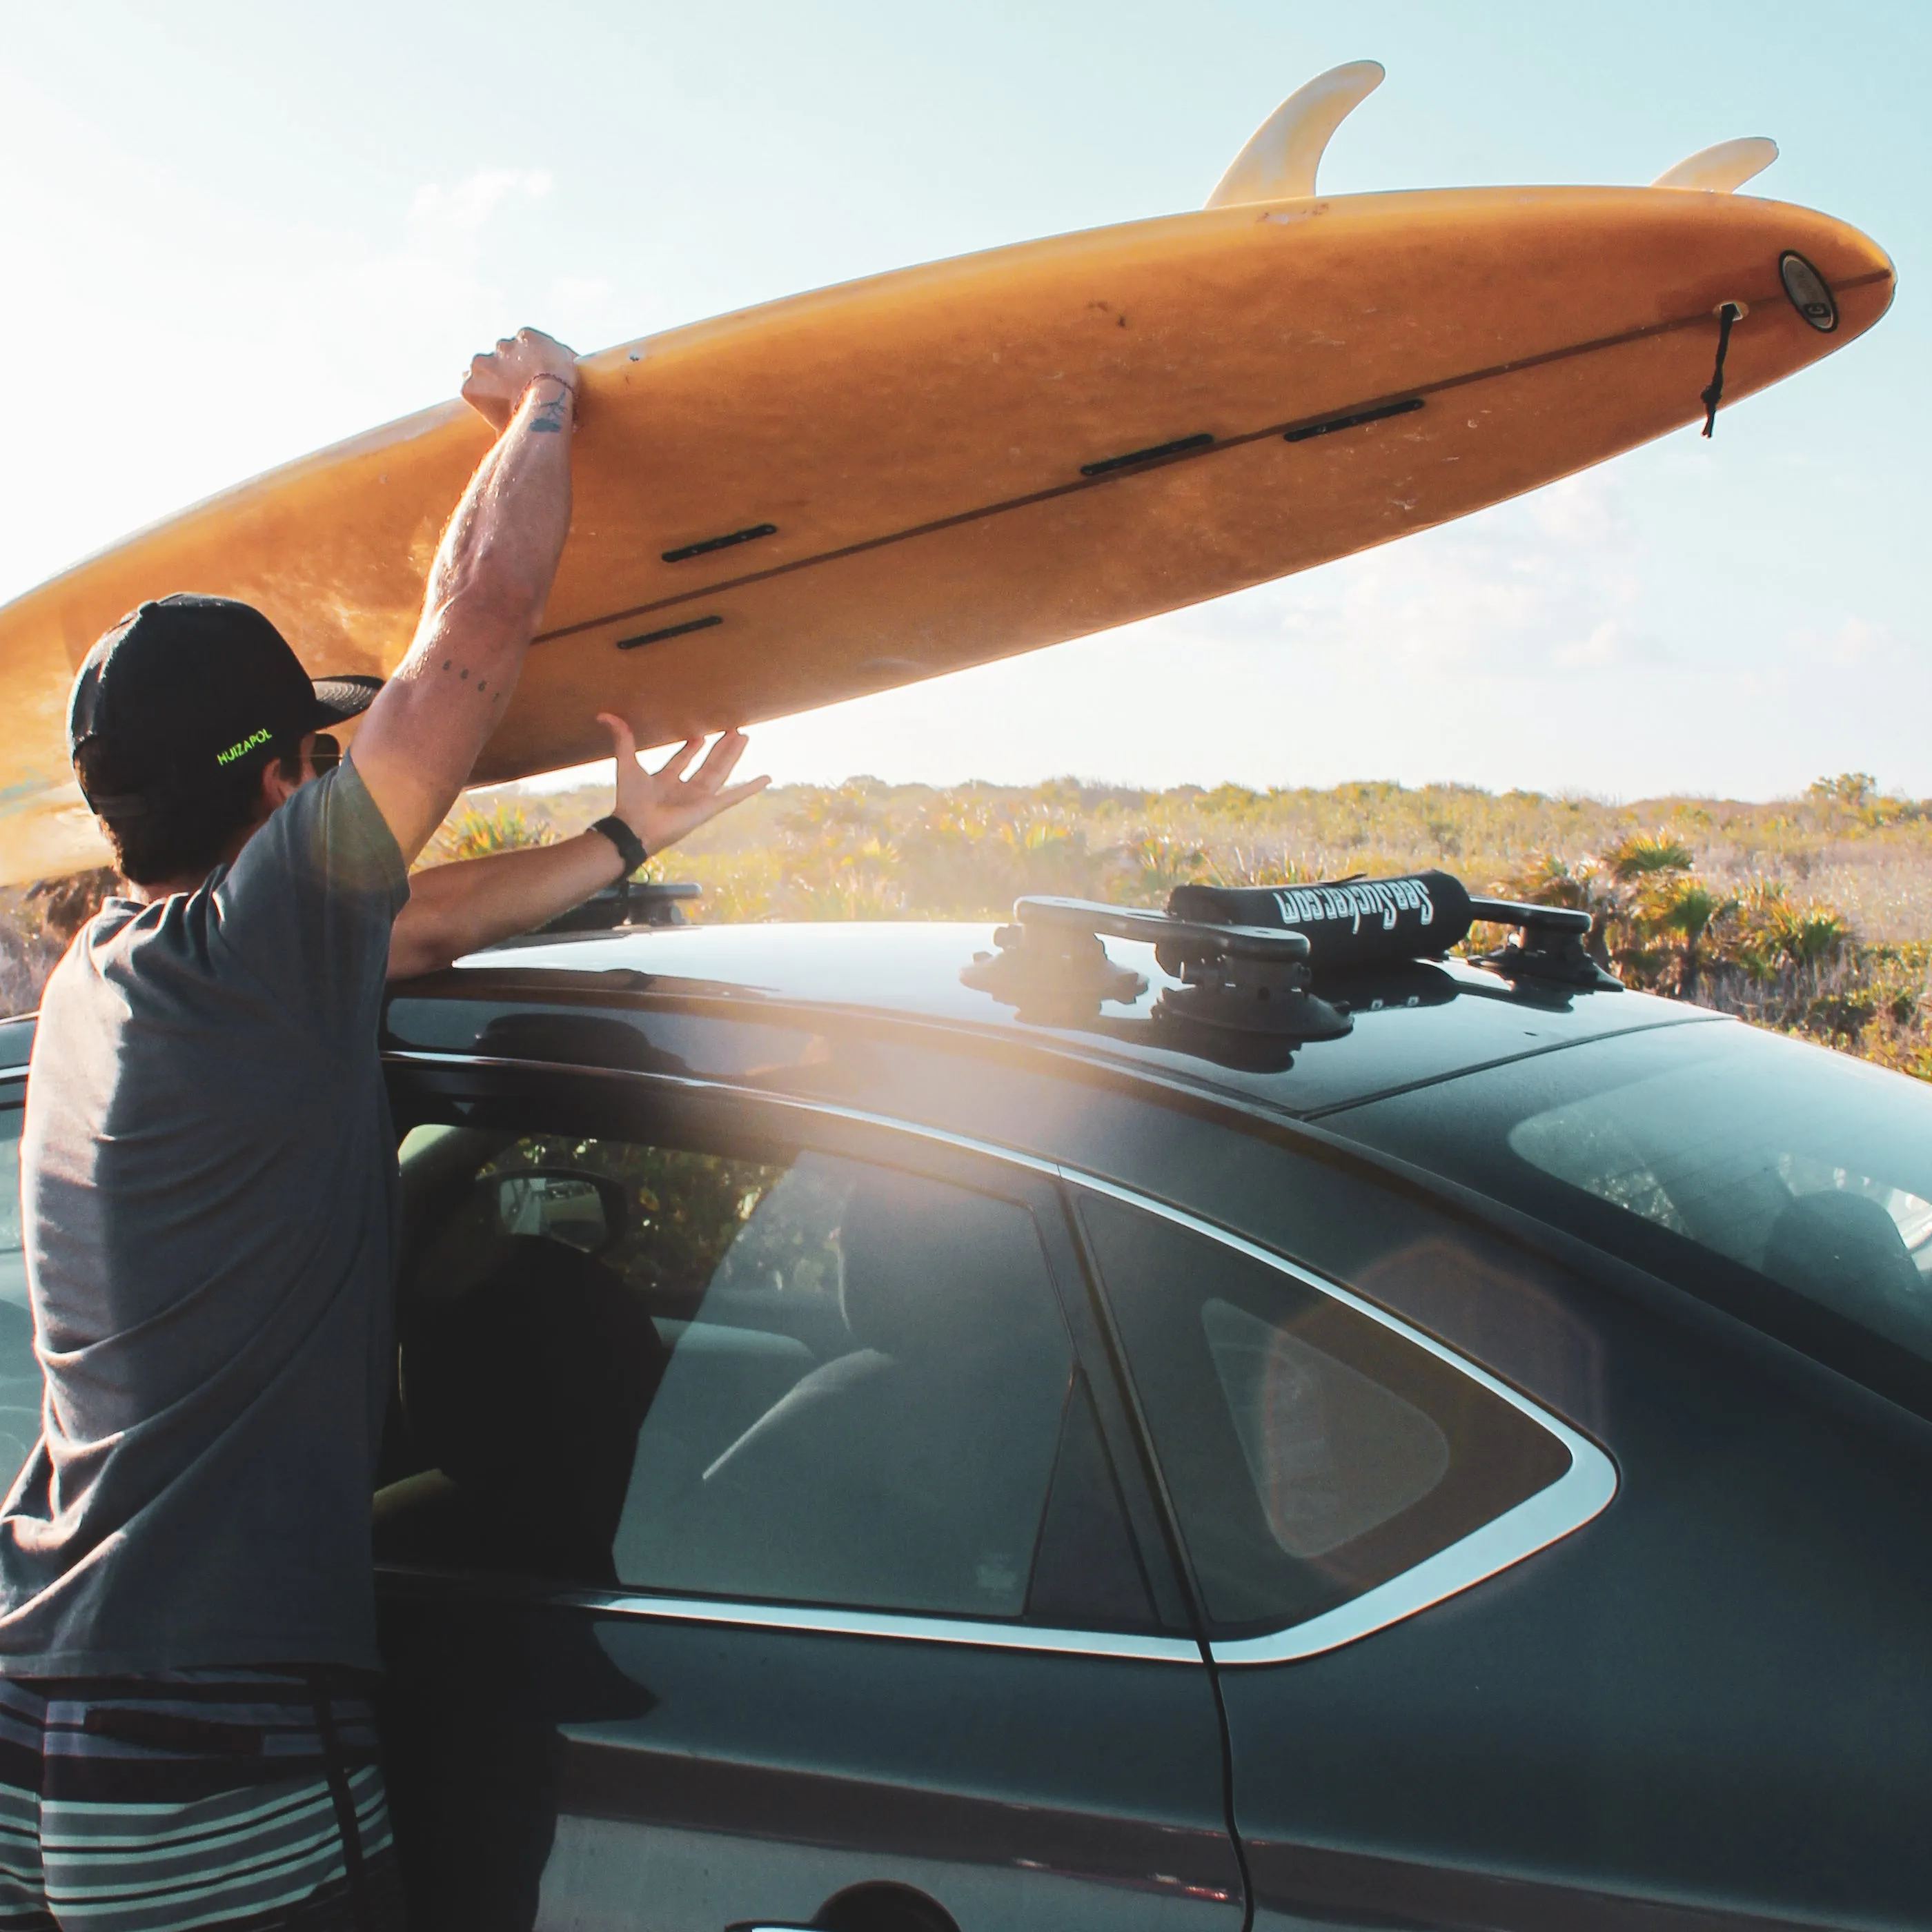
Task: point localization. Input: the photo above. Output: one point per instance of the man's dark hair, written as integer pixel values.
(181, 833)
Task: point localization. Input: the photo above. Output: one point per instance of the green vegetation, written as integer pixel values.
(1813, 915)
(685, 1211)
(474, 831)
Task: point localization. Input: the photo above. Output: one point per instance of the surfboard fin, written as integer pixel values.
(1722, 169)
(1279, 161)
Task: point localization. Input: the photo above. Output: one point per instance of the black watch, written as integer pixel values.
(630, 848)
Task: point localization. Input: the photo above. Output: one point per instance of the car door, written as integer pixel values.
(766, 1541)
(1342, 1481)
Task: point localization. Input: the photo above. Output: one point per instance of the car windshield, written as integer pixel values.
(1789, 1183)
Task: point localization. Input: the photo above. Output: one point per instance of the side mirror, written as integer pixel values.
(587, 1212)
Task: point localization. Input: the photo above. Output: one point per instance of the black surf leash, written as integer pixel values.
(1714, 394)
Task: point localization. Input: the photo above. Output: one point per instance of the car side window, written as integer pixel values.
(1313, 1453)
(21, 1383)
(808, 1379)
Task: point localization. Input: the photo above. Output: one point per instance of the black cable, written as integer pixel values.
(1727, 314)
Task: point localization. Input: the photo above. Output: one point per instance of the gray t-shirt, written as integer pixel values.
(208, 1186)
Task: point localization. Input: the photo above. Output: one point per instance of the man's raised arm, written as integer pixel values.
(486, 592)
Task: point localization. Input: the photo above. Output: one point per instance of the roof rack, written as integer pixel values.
(627, 903)
(1249, 958)
(1363, 922)
(1551, 948)
(1051, 966)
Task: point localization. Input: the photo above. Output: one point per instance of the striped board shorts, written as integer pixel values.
(249, 1799)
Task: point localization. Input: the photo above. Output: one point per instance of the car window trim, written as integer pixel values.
(1141, 1485)
(815, 1619)
(1581, 1494)
(1030, 1183)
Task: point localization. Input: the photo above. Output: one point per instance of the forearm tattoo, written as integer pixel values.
(552, 418)
(482, 683)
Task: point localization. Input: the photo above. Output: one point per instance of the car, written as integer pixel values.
(1126, 1420)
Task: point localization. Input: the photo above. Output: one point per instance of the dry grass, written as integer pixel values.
(1812, 914)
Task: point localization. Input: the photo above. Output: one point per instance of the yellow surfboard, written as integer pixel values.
(869, 484)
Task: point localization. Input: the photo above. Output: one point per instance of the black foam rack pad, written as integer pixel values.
(1348, 922)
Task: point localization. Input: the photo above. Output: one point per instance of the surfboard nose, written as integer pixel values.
(1751, 291)
(1836, 278)
(1869, 259)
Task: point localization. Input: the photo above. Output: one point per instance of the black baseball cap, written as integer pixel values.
(187, 688)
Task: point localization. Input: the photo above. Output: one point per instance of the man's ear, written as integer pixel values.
(276, 790)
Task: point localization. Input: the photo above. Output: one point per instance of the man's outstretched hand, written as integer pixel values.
(498, 378)
(461, 908)
(662, 806)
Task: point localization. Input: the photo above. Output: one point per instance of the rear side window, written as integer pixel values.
(804, 1379)
(1332, 1454)
(1313, 1452)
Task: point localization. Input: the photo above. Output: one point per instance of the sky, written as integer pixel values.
(230, 233)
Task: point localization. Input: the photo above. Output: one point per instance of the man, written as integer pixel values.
(187, 1621)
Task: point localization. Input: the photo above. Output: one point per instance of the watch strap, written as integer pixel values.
(630, 848)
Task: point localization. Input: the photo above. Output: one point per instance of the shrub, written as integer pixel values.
(468, 833)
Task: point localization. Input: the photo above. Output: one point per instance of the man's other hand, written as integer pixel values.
(662, 806)
(499, 377)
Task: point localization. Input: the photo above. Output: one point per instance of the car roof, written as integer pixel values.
(1413, 1023)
